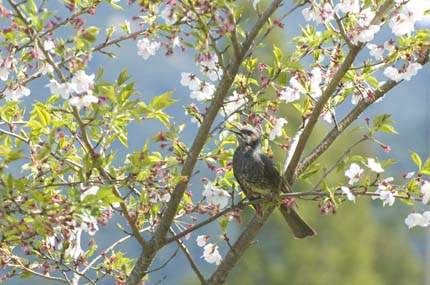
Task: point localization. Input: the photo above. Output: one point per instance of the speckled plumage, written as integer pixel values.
(257, 176)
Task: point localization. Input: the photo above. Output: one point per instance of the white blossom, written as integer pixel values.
(62, 89)
(348, 6)
(417, 219)
(316, 79)
(4, 73)
(211, 254)
(83, 101)
(366, 34)
(216, 196)
(328, 115)
(323, 14)
(374, 166)
(233, 103)
(82, 82)
(353, 173)
(394, 74)
(347, 192)
(376, 51)
(409, 175)
(205, 92)
(90, 191)
(146, 48)
(49, 45)
(89, 224)
(75, 250)
(209, 67)
(289, 94)
(15, 94)
(385, 194)
(365, 18)
(277, 129)
(403, 23)
(201, 240)
(46, 68)
(190, 80)
(169, 16)
(425, 189)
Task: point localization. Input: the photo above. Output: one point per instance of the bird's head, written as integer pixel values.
(248, 136)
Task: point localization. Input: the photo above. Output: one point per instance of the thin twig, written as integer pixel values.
(190, 259)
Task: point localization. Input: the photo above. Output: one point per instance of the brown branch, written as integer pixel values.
(159, 238)
(239, 247)
(319, 106)
(190, 259)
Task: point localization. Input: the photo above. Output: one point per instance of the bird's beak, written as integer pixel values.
(236, 131)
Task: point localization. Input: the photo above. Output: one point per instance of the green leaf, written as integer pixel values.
(278, 55)
(123, 77)
(388, 129)
(388, 162)
(223, 223)
(416, 159)
(162, 101)
(125, 27)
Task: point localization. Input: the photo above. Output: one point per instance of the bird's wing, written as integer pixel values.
(271, 172)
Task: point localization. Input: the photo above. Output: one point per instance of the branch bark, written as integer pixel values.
(159, 238)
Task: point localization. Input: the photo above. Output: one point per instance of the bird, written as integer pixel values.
(257, 177)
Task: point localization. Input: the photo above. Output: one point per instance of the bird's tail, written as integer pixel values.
(299, 227)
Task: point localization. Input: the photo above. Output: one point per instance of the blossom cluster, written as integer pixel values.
(407, 14)
(202, 90)
(82, 84)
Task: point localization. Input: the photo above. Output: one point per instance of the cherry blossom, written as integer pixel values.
(90, 191)
(385, 193)
(316, 79)
(75, 250)
(374, 166)
(425, 189)
(46, 69)
(347, 192)
(82, 82)
(417, 219)
(365, 34)
(409, 175)
(348, 6)
(277, 129)
(234, 103)
(216, 196)
(353, 173)
(376, 51)
(83, 101)
(169, 16)
(15, 94)
(211, 254)
(403, 23)
(204, 92)
(146, 48)
(394, 74)
(190, 80)
(62, 89)
(323, 14)
(328, 115)
(89, 224)
(201, 240)
(49, 45)
(289, 94)
(209, 67)
(5, 69)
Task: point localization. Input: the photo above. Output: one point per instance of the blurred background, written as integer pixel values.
(360, 244)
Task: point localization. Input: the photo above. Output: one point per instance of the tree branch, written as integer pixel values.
(331, 87)
(159, 238)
